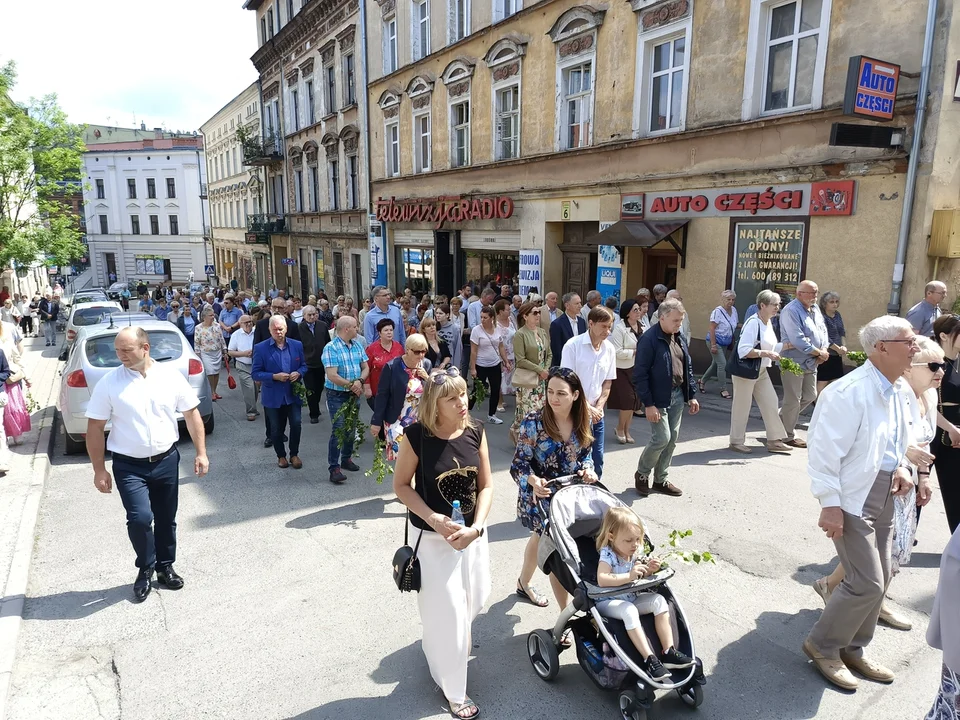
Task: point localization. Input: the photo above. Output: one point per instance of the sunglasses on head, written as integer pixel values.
(563, 373)
(934, 366)
(440, 376)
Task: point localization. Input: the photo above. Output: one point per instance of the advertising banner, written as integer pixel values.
(767, 256)
(531, 272)
(609, 269)
(378, 251)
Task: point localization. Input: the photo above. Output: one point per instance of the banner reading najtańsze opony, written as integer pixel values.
(767, 256)
(531, 272)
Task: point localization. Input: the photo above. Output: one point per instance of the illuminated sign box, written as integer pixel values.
(871, 88)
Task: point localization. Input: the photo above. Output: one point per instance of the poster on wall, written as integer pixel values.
(378, 251)
(318, 255)
(531, 272)
(609, 269)
(149, 264)
(766, 256)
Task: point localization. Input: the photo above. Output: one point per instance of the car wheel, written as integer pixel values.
(74, 447)
(208, 425)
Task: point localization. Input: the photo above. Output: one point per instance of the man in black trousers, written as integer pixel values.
(314, 334)
(261, 333)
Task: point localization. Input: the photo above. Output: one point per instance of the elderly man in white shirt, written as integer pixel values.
(594, 359)
(858, 440)
(241, 350)
(141, 399)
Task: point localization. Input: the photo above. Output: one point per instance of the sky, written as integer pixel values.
(169, 64)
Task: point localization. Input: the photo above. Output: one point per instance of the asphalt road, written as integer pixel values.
(289, 609)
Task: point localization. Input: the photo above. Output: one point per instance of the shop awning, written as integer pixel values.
(628, 233)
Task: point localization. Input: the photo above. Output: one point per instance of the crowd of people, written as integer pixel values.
(876, 432)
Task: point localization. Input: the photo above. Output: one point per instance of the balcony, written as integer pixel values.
(261, 226)
(265, 150)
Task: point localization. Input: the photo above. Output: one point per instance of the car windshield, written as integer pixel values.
(164, 345)
(91, 316)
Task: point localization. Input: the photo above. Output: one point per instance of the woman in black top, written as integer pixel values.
(447, 453)
(438, 352)
(946, 443)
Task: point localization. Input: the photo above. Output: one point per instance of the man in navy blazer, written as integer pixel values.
(277, 364)
(561, 329)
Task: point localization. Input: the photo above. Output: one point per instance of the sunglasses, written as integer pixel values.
(909, 341)
(419, 352)
(440, 376)
(934, 366)
(534, 312)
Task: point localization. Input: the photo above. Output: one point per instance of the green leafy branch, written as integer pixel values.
(300, 390)
(380, 466)
(790, 366)
(857, 358)
(32, 405)
(674, 549)
(479, 392)
(347, 423)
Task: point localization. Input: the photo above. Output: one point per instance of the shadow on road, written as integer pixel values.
(75, 604)
(926, 560)
(348, 515)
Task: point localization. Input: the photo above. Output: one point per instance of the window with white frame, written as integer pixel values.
(502, 9)
(311, 104)
(460, 133)
(353, 182)
(663, 76)
(575, 36)
(313, 191)
(422, 149)
(294, 109)
(786, 56)
(577, 105)
(390, 60)
(330, 89)
(349, 80)
(298, 190)
(392, 132)
(458, 15)
(333, 183)
(420, 30)
(507, 122)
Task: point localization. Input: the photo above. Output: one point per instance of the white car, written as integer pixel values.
(93, 356)
(89, 314)
(89, 295)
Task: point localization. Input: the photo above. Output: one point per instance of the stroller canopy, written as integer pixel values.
(576, 511)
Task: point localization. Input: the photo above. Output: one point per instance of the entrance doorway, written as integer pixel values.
(337, 273)
(356, 264)
(110, 260)
(660, 268)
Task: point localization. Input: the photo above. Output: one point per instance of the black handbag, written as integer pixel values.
(748, 368)
(406, 564)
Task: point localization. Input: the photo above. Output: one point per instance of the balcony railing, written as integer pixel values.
(264, 150)
(266, 223)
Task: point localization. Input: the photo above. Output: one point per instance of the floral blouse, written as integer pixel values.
(539, 454)
(209, 339)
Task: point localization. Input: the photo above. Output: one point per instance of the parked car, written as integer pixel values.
(89, 295)
(113, 292)
(93, 356)
(89, 314)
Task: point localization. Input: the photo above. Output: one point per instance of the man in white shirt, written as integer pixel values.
(141, 399)
(858, 440)
(593, 358)
(241, 350)
(594, 298)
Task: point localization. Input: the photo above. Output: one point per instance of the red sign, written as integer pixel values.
(442, 210)
(832, 198)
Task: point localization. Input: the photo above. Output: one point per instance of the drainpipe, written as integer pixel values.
(203, 216)
(365, 124)
(909, 195)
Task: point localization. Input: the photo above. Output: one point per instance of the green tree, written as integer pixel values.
(41, 158)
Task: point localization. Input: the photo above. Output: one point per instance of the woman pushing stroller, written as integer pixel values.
(619, 540)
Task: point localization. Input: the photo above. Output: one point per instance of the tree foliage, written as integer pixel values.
(41, 159)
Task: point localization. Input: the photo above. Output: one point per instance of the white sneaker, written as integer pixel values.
(494, 420)
(4, 468)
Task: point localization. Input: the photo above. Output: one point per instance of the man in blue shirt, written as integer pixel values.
(924, 314)
(162, 311)
(345, 363)
(801, 325)
(383, 308)
(229, 317)
(473, 312)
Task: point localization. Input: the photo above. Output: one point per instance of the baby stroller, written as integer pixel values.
(568, 549)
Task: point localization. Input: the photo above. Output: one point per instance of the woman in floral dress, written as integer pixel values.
(16, 417)
(388, 412)
(531, 346)
(210, 346)
(552, 442)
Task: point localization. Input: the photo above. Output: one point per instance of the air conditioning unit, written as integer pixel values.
(945, 234)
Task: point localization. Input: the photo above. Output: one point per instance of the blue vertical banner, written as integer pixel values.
(531, 272)
(378, 251)
(609, 269)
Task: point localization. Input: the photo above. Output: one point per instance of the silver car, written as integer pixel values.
(89, 295)
(89, 314)
(92, 356)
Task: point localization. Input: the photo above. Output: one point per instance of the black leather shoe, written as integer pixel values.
(141, 586)
(168, 577)
(267, 442)
(337, 477)
(350, 465)
(314, 421)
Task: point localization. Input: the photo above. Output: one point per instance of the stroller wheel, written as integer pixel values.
(630, 707)
(543, 654)
(692, 695)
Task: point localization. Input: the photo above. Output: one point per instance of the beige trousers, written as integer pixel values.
(850, 617)
(744, 393)
(798, 392)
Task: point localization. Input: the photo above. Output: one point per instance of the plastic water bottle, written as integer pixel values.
(457, 516)
(594, 658)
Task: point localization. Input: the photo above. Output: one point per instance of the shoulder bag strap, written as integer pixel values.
(406, 540)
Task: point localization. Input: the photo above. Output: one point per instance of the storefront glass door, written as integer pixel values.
(486, 269)
(414, 269)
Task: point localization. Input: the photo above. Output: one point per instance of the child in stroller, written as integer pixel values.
(620, 538)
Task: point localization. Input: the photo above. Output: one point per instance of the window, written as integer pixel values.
(171, 187)
(503, 9)
(577, 99)
(393, 149)
(236, 158)
(298, 190)
(289, 10)
(263, 30)
(314, 188)
(295, 109)
(174, 225)
(270, 21)
(104, 230)
(151, 188)
(421, 143)
(508, 123)
(311, 109)
(330, 89)
(390, 61)
(154, 224)
(460, 134)
(353, 182)
(459, 14)
(135, 224)
(132, 188)
(100, 191)
(349, 79)
(666, 85)
(334, 184)
(420, 36)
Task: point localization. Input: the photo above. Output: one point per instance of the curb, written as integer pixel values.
(14, 594)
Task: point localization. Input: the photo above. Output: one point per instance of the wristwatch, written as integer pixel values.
(478, 529)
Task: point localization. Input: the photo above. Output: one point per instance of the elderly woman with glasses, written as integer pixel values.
(531, 348)
(832, 369)
(399, 392)
(552, 442)
(447, 456)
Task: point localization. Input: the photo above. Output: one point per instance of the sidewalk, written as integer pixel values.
(20, 493)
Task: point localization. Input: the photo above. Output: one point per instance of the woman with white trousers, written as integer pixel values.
(758, 329)
(446, 451)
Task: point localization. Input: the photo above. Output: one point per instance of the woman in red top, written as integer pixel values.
(380, 353)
